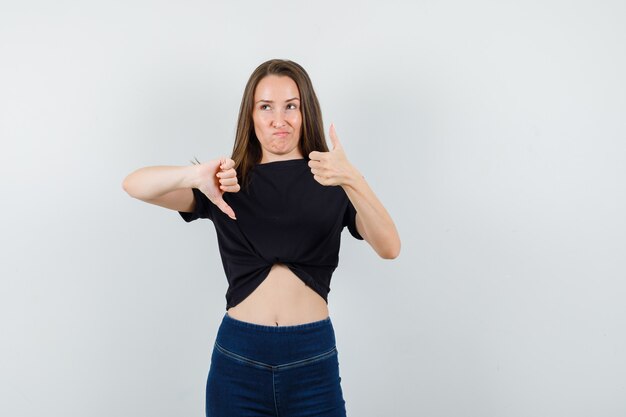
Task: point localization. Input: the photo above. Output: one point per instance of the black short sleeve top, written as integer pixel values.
(285, 216)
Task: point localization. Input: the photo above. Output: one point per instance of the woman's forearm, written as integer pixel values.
(151, 182)
(375, 221)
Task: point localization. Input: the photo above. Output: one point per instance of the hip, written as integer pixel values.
(275, 370)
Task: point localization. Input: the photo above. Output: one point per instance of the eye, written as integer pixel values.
(291, 104)
(264, 105)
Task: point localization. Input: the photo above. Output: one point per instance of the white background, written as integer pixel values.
(492, 131)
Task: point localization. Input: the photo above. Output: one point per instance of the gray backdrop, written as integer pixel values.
(493, 132)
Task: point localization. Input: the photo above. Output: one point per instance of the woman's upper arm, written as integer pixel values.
(181, 199)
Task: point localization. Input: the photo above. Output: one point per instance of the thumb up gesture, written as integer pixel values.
(331, 168)
(219, 176)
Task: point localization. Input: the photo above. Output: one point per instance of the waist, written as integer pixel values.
(282, 299)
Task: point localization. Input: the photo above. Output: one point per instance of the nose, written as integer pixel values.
(279, 118)
(279, 122)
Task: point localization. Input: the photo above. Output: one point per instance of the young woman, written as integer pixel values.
(279, 205)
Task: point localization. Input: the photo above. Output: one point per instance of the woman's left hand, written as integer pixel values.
(331, 168)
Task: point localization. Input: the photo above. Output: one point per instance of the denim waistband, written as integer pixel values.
(275, 344)
(276, 329)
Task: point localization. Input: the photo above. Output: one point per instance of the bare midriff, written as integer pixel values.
(282, 299)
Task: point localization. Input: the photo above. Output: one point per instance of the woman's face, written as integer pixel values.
(277, 118)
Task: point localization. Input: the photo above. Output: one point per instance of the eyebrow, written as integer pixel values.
(271, 101)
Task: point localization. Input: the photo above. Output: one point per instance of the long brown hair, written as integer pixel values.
(247, 150)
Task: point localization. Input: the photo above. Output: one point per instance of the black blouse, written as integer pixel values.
(285, 217)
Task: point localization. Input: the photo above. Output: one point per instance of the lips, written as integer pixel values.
(281, 134)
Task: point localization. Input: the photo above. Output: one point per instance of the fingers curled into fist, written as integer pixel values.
(228, 176)
(217, 177)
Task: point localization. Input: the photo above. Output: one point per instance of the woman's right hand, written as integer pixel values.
(217, 177)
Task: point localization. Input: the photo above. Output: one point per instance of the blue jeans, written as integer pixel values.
(280, 371)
